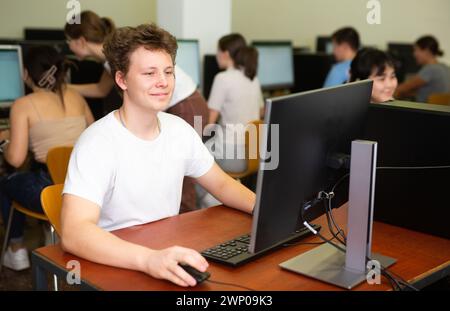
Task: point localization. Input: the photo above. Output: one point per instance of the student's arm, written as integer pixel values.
(227, 190)
(409, 87)
(95, 90)
(82, 237)
(213, 116)
(16, 151)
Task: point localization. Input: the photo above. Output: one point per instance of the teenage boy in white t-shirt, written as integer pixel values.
(127, 168)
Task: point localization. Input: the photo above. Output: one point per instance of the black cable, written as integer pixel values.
(330, 228)
(340, 231)
(305, 243)
(384, 271)
(231, 284)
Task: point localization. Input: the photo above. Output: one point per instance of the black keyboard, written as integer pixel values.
(235, 252)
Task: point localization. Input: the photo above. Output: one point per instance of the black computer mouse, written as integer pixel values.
(197, 275)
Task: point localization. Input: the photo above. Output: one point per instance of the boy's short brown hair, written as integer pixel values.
(124, 41)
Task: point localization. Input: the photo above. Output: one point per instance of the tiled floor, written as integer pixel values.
(12, 280)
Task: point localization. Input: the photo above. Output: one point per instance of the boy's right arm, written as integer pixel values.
(82, 237)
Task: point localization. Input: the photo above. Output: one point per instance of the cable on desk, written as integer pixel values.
(231, 284)
(397, 280)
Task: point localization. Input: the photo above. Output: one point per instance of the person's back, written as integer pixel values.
(50, 116)
(50, 123)
(437, 78)
(237, 98)
(241, 97)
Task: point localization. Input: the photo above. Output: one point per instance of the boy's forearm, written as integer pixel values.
(95, 244)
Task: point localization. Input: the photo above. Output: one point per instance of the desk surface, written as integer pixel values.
(419, 256)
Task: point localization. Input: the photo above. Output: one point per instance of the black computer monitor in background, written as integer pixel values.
(316, 129)
(311, 70)
(210, 69)
(406, 64)
(275, 64)
(44, 34)
(188, 58)
(324, 44)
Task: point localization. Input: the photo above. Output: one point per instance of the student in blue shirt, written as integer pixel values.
(345, 46)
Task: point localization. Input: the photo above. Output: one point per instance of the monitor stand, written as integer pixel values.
(328, 264)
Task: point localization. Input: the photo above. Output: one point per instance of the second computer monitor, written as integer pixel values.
(275, 64)
(188, 58)
(316, 129)
(11, 83)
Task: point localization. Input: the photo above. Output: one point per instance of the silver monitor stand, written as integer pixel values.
(325, 262)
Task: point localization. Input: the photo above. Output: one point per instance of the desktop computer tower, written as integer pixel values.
(412, 135)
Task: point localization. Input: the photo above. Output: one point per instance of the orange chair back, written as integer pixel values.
(252, 147)
(439, 99)
(57, 163)
(51, 200)
(251, 150)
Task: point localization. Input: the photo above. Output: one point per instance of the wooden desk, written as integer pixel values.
(422, 259)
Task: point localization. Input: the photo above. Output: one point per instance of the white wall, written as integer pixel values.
(205, 20)
(18, 14)
(303, 20)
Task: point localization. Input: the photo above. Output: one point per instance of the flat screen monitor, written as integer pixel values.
(275, 64)
(315, 131)
(11, 70)
(188, 58)
(44, 34)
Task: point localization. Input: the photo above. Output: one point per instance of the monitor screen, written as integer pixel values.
(11, 83)
(275, 64)
(188, 58)
(315, 130)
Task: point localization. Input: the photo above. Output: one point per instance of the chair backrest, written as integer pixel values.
(51, 200)
(252, 148)
(439, 99)
(57, 162)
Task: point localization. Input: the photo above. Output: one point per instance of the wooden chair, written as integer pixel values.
(51, 200)
(252, 158)
(57, 162)
(439, 99)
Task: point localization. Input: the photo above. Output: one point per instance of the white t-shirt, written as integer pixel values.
(135, 181)
(238, 99)
(184, 85)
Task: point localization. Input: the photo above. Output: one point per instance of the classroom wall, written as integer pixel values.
(303, 20)
(18, 14)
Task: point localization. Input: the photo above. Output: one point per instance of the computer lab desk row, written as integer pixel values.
(422, 259)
